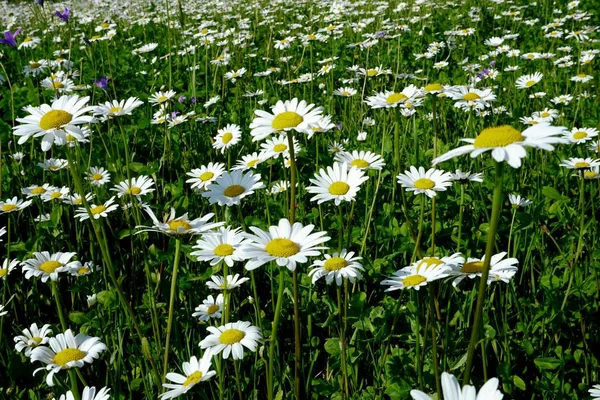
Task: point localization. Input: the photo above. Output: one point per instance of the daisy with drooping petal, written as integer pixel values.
(76, 200)
(231, 187)
(47, 266)
(527, 81)
(53, 164)
(250, 161)
(338, 266)
(7, 266)
(195, 371)
(13, 205)
(67, 351)
(338, 183)
(228, 283)
(98, 176)
(180, 226)
(580, 163)
(117, 108)
(2, 232)
(361, 159)
(32, 338)
(518, 201)
(2, 312)
(58, 194)
(473, 268)
(468, 98)
(80, 270)
(286, 244)
(58, 120)
(416, 275)
(389, 99)
(581, 135)
(508, 144)
(161, 97)
(289, 115)
(97, 211)
(210, 308)
(139, 186)
(205, 175)
(452, 390)
(227, 137)
(36, 190)
(465, 177)
(345, 92)
(219, 246)
(231, 338)
(419, 181)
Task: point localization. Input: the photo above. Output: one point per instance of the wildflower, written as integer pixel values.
(9, 38)
(97, 211)
(289, 115)
(32, 338)
(231, 187)
(210, 308)
(337, 266)
(430, 182)
(452, 390)
(231, 339)
(195, 371)
(180, 226)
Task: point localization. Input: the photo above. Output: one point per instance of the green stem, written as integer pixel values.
(460, 216)
(344, 384)
(270, 377)
(171, 305)
(489, 249)
(436, 371)
(417, 249)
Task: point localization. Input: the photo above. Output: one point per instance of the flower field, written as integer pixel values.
(251, 199)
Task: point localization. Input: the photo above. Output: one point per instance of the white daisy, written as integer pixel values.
(219, 246)
(275, 147)
(527, 81)
(195, 371)
(229, 283)
(231, 187)
(289, 115)
(13, 205)
(338, 266)
(46, 265)
(98, 176)
(518, 201)
(250, 161)
(473, 268)
(231, 338)
(580, 163)
(139, 186)
(227, 137)
(452, 390)
(361, 159)
(7, 265)
(416, 275)
(117, 108)
(389, 99)
(210, 308)
(32, 338)
(97, 211)
(581, 135)
(419, 181)
(205, 175)
(338, 183)
(161, 97)
(180, 226)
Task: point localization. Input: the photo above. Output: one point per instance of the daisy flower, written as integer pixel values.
(249, 161)
(53, 164)
(389, 99)
(219, 246)
(580, 163)
(345, 92)
(139, 186)
(58, 120)
(338, 183)
(231, 338)
(67, 351)
(205, 175)
(595, 146)
(419, 181)
(97, 211)
(85, 269)
(227, 137)
(337, 266)
(2, 312)
(469, 98)
(518, 201)
(289, 115)
(180, 226)
(210, 308)
(508, 144)
(279, 187)
(581, 135)
(13, 205)
(7, 267)
(418, 274)
(231, 187)
(32, 338)
(195, 371)
(229, 283)
(473, 268)
(98, 176)
(361, 159)
(58, 194)
(452, 390)
(76, 200)
(595, 392)
(547, 115)
(527, 81)
(117, 108)
(273, 148)
(161, 97)
(234, 75)
(465, 177)
(285, 244)
(47, 266)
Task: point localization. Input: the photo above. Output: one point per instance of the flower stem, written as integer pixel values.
(344, 384)
(417, 249)
(171, 305)
(270, 377)
(460, 216)
(489, 249)
(436, 371)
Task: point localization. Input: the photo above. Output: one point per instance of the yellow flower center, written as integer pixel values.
(67, 355)
(192, 379)
(83, 271)
(433, 87)
(115, 110)
(162, 99)
(372, 72)
(580, 135)
(206, 176)
(204, 31)
(286, 120)
(339, 188)
(98, 209)
(57, 85)
(37, 339)
(96, 37)
(279, 148)
(396, 98)
(335, 264)
(472, 267)
(282, 248)
(213, 308)
(499, 136)
(471, 96)
(359, 163)
(414, 280)
(545, 114)
(78, 201)
(3, 272)
(233, 190)
(581, 75)
(179, 224)
(586, 175)
(38, 190)
(424, 183)
(429, 262)
(227, 137)
(55, 119)
(311, 36)
(34, 65)
(231, 336)
(97, 177)
(582, 164)
(56, 195)
(50, 266)
(223, 250)
(530, 83)
(27, 40)
(104, 25)
(252, 163)
(134, 191)
(9, 207)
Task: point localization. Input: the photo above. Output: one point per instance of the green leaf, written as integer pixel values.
(78, 317)
(520, 383)
(332, 346)
(550, 363)
(553, 194)
(107, 299)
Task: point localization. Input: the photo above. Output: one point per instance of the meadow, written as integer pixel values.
(252, 199)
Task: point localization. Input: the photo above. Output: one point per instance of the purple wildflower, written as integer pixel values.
(102, 83)
(9, 38)
(492, 63)
(63, 15)
(181, 99)
(193, 100)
